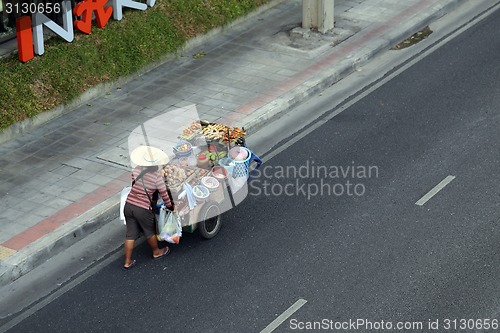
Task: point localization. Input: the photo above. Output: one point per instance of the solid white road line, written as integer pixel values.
(284, 316)
(435, 190)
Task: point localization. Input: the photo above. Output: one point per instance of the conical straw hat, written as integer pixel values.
(148, 156)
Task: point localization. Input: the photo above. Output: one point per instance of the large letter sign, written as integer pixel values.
(29, 30)
(119, 4)
(24, 35)
(86, 8)
(41, 20)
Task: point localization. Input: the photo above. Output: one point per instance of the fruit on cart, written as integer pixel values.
(215, 155)
(184, 147)
(207, 154)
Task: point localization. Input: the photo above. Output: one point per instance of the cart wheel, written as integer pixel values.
(212, 220)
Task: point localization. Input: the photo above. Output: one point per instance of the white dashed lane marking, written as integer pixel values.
(284, 316)
(434, 191)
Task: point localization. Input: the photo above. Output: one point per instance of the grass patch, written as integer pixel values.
(66, 70)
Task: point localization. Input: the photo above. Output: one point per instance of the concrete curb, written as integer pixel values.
(60, 239)
(22, 127)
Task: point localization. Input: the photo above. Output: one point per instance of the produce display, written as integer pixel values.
(191, 131)
(205, 143)
(213, 132)
(184, 147)
(214, 155)
(174, 175)
(198, 177)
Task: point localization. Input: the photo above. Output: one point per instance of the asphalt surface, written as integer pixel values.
(376, 256)
(253, 72)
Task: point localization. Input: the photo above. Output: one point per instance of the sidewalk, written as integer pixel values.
(61, 181)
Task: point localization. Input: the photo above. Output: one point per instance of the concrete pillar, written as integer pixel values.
(318, 14)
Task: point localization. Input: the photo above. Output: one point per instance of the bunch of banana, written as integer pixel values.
(214, 155)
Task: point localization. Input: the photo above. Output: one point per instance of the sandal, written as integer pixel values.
(166, 252)
(132, 264)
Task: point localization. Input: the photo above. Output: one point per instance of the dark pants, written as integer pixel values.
(139, 220)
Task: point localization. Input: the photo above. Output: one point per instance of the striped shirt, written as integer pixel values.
(153, 181)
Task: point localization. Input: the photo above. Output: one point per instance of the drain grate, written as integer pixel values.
(414, 39)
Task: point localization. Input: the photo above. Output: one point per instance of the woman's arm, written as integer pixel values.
(162, 189)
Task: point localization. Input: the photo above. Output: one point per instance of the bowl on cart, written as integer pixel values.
(183, 149)
(220, 173)
(210, 182)
(200, 192)
(228, 164)
(238, 153)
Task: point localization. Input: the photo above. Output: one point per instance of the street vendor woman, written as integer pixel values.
(139, 216)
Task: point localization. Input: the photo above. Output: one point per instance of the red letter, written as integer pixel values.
(85, 9)
(24, 36)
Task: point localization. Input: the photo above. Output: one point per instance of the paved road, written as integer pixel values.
(376, 256)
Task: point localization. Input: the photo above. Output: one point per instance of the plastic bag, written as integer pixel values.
(169, 225)
(123, 198)
(190, 196)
